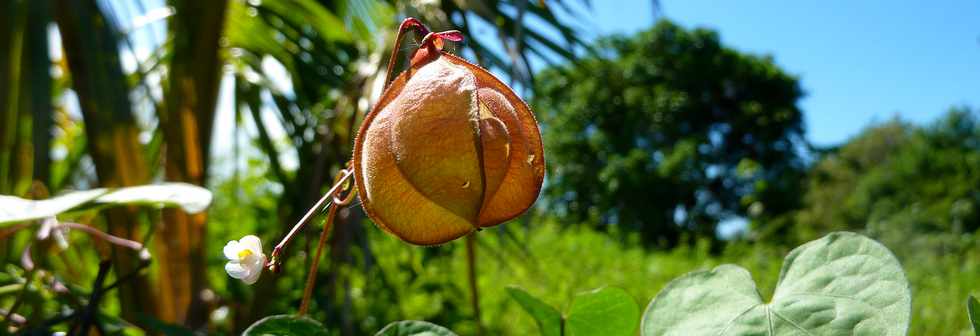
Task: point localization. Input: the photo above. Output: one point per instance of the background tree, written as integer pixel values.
(670, 132)
(899, 182)
(91, 42)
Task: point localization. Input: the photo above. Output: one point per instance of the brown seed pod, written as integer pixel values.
(448, 149)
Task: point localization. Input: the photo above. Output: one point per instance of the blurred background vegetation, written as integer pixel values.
(652, 140)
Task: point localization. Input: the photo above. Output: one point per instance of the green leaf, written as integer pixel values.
(973, 309)
(414, 328)
(546, 316)
(841, 284)
(285, 325)
(603, 311)
(16, 209)
(189, 197)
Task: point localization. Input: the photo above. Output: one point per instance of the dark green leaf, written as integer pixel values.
(285, 325)
(603, 311)
(547, 317)
(973, 309)
(414, 328)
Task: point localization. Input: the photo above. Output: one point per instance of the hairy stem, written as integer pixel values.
(407, 25)
(340, 185)
(311, 275)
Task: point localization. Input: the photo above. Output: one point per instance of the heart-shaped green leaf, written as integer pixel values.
(547, 317)
(841, 284)
(973, 309)
(285, 325)
(414, 328)
(603, 311)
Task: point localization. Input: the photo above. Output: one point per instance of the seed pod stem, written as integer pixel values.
(341, 184)
(408, 24)
(311, 274)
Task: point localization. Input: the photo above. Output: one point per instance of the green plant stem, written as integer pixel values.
(20, 296)
(10, 288)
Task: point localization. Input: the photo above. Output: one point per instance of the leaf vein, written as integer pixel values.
(791, 323)
(732, 321)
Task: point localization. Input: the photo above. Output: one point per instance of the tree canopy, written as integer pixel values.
(896, 180)
(669, 132)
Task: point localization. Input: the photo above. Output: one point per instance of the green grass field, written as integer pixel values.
(555, 264)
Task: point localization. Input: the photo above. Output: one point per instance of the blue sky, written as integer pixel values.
(860, 62)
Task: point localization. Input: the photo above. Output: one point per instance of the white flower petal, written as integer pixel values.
(47, 224)
(252, 243)
(256, 262)
(246, 259)
(231, 250)
(235, 270)
(252, 277)
(60, 236)
(145, 254)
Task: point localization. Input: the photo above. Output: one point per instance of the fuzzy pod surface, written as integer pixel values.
(447, 150)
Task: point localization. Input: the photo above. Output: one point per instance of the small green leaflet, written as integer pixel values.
(285, 325)
(546, 316)
(414, 328)
(606, 311)
(602, 311)
(973, 309)
(841, 284)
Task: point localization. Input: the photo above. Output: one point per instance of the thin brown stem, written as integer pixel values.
(471, 273)
(407, 25)
(311, 275)
(135, 245)
(14, 228)
(339, 185)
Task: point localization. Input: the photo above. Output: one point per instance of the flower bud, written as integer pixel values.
(448, 149)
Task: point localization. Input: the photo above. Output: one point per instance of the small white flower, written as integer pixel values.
(245, 259)
(145, 254)
(51, 227)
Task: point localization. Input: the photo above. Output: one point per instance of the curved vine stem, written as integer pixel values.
(341, 183)
(408, 24)
(311, 275)
(428, 39)
(340, 179)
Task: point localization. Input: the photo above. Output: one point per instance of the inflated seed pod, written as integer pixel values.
(447, 150)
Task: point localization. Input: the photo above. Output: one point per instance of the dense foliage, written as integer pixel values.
(669, 132)
(651, 141)
(899, 181)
